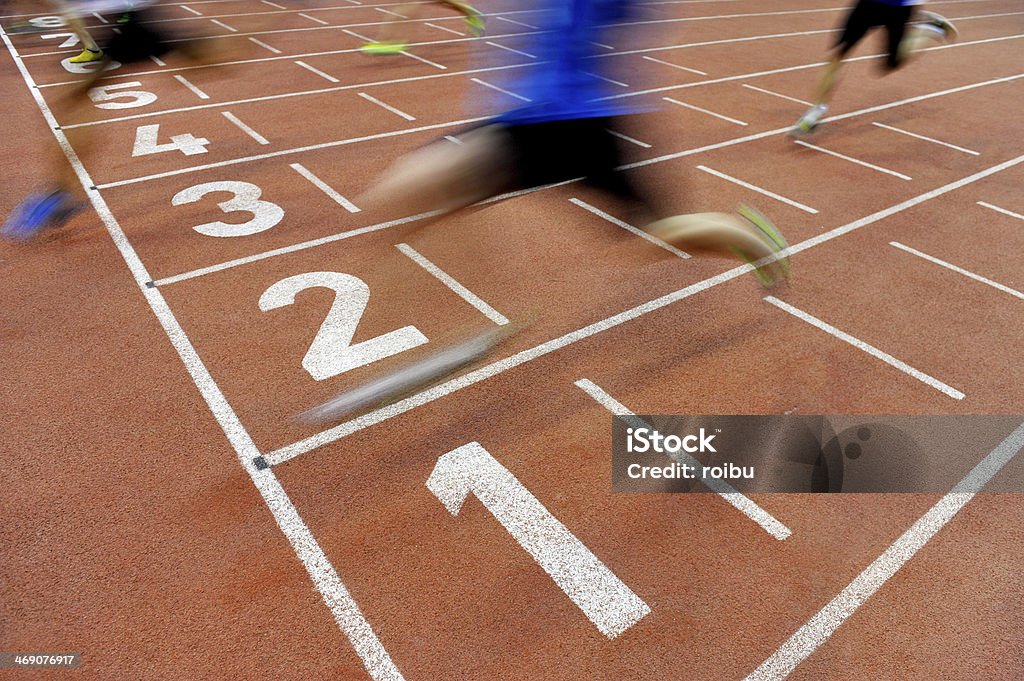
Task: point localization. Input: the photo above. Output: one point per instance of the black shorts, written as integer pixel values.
(556, 151)
(869, 14)
(134, 40)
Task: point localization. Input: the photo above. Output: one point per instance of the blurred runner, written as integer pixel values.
(563, 133)
(907, 31)
(131, 40)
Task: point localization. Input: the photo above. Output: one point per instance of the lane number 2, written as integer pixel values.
(332, 351)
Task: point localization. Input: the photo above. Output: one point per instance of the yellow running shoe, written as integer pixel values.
(86, 56)
(384, 48)
(475, 22)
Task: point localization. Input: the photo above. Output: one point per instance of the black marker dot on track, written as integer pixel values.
(260, 463)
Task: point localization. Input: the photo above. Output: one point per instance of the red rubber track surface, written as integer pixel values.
(136, 398)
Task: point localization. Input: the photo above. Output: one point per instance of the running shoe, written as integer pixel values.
(86, 56)
(809, 121)
(38, 212)
(940, 23)
(475, 21)
(765, 268)
(381, 48)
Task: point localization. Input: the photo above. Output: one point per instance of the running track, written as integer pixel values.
(165, 515)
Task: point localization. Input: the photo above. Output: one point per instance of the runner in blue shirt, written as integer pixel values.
(905, 35)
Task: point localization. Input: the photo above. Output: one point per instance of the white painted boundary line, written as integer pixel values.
(928, 139)
(189, 9)
(629, 139)
(157, 60)
(437, 392)
(223, 25)
(777, 94)
(425, 61)
(457, 288)
(737, 500)
(445, 28)
(517, 23)
(958, 270)
(820, 628)
(705, 111)
(630, 228)
(509, 49)
(245, 128)
(498, 89)
(265, 46)
(397, 112)
(675, 66)
(866, 347)
(315, 20)
(851, 159)
(759, 190)
(196, 91)
(389, 12)
(311, 69)
(1001, 210)
(325, 188)
(273, 4)
(323, 575)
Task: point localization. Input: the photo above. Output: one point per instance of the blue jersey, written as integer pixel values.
(568, 84)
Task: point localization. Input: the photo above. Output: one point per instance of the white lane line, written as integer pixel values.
(958, 270)
(605, 600)
(445, 28)
(630, 228)
(498, 89)
(607, 47)
(631, 140)
(224, 26)
(325, 578)
(311, 69)
(265, 46)
(196, 91)
(1001, 210)
(457, 288)
(777, 94)
(245, 128)
(273, 4)
(325, 188)
(425, 61)
(851, 159)
(157, 60)
(826, 621)
(928, 139)
(705, 111)
(397, 112)
(500, 366)
(510, 49)
(737, 500)
(518, 23)
(675, 66)
(354, 35)
(868, 348)
(315, 20)
(759, 190)
(189, 9)
(608, 80)
(100, 17)
(387, 11)
(454, 140)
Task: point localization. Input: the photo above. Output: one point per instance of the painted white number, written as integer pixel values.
(71, 41)
(87, 67)
(603, 598)
(332, 352)
(105, 96)
(48, 22)
(146, 142)
(246, 198)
